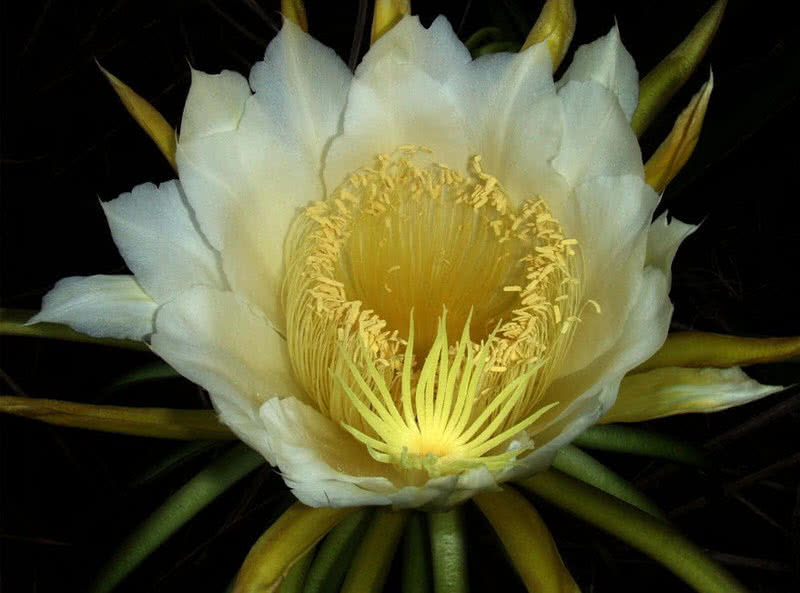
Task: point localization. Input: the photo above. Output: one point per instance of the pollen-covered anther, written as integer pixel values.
(494, 290)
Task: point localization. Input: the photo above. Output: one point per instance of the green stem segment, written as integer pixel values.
(374, 557)
(416, 576)
(175, 512)
(636, 528)
(335, 554)
(579, 464)
(449, 551)
(626, 439)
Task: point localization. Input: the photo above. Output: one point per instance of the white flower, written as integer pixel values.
(400, 286)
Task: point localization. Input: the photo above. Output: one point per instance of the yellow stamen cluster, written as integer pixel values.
(402, 258)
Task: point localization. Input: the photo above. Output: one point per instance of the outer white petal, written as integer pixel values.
(246, 185)
(161, 244)
(608, 63)
(513, 119)
(644, 331)
(100, 306)
(396, 99)
(215, 104)
(436, 51)
(226, 345)
(325, 466)
(663, 241)
(610, 220)
(597, 140)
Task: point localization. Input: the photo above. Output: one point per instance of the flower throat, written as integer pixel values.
(427, 315)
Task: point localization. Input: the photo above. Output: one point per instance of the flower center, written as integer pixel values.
(427, 315)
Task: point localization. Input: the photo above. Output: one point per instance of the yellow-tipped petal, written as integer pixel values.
(702, 349)
(663, 81)
(295, 11)
(527, 541)
(370, 567)
(556, 25)
(674, 390)
(283, 544)
(386, 15)
(163, 423)
(676, 149)
(146, 116)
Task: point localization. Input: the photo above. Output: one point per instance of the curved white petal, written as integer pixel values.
(437, 51)
(246, 185)
(160, 242)
(597, 140)
(396, 100)
(663, 241)
(100, 306)
(513, 119)
(644, 332)
(610, 221)
(607, 62)
(215, 104)
(226, 345)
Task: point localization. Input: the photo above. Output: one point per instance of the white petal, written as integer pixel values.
(161, 244)
(610, 221)
(394, 101)
(325, 466)
(597, 140)
(663, 241)
(672, 390)
(246, 185)
(608, 63)
(215, 104)
(100, 306)
(226, 345)
(436, 51)
(513, 118)
(644, 332)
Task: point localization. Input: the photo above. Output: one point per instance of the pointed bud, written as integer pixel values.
(702, 349)
(663, 81)
(146, 116)
(386, 15)
(678, 146)
(556, 25)
(295, 11)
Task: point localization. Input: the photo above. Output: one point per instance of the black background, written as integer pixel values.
(66, 496)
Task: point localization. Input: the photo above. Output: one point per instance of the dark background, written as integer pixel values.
(67, 496)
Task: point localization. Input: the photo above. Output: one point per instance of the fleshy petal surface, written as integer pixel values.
(610, 222)
(606, 62)
(215, 104)
(597, 140)
(247, 184)
(398, 98)
(160, 242)
(100, 306)
(663, 240)
(513, 119)
(225, 344)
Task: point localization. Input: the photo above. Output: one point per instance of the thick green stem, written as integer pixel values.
(448, 551)
(638, 529)
(175, 512)
(626, 439)
(581, 465)
(416, 557)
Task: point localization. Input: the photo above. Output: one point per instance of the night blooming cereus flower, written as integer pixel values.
(401, 286)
